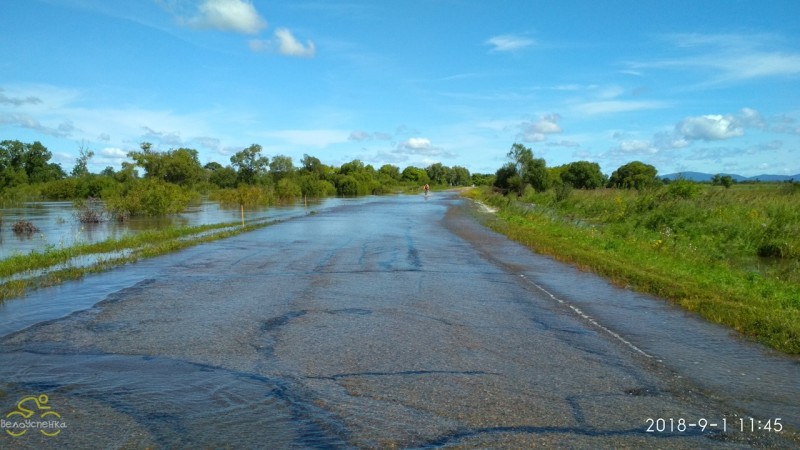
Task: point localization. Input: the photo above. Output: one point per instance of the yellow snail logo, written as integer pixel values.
(49, 419)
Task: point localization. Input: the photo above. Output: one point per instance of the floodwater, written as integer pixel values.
(391, 322)
(59, 227)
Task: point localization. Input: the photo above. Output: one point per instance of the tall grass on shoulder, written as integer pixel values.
(731, 255)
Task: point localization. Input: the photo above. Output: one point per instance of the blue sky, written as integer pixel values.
(710, 86)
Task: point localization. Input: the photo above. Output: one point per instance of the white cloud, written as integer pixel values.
(637, 146)
(290, 46)
(113, 153)
(284, 43)
(239, 16)
(417, 143)
(537, 131)
(509, 43)
(712, 127)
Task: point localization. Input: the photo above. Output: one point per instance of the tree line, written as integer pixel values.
(524, 171)
(156, 182)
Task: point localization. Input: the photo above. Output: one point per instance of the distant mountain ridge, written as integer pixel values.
(701, 177)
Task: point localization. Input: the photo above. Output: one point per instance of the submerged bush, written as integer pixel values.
(147, 197)
(24, 227)
(91, 210)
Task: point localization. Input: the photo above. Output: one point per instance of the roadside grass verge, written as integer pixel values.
(732, 256)
(130, 248)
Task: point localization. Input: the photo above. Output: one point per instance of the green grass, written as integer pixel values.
(698, 247)
(141, 245)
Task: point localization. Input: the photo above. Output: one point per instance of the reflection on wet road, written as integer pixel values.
(396, 324)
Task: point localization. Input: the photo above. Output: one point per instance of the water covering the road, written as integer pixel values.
(402, 323)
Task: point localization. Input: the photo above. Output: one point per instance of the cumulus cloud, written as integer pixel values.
(508, 43)
(711, 127)
(538, 130)
(113, 153)
(415, 143)
(239, 16)
(421, 146)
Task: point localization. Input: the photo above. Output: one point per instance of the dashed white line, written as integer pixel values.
(589, 319)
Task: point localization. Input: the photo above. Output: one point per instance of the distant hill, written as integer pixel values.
(706, 177)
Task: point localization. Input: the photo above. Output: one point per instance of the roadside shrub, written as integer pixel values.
(682, 189)
(563, 191)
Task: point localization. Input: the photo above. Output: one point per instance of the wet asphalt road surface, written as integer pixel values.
(382, 325)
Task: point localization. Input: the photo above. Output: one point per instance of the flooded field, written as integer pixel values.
(58, 226)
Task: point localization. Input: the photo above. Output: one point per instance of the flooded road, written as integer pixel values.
(397, 323)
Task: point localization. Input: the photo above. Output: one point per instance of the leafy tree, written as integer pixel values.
(459, 176)
(347, 186)
(437, 172)
(504, 174)
(22, 163)
(287, 189)
(81, 164)
(583, 175)
(249, 164)
(352, 167)
(150, 160)
(312, 186)
(223, 177)
(416, 175)
(281, 166)
(182, 166)
(483, 179)
(312, 165)
(212, 166)
(532, 171)
(722, 180)
(634, 175)
(391, 171)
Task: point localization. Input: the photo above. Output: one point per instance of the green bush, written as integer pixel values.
(147, 197)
